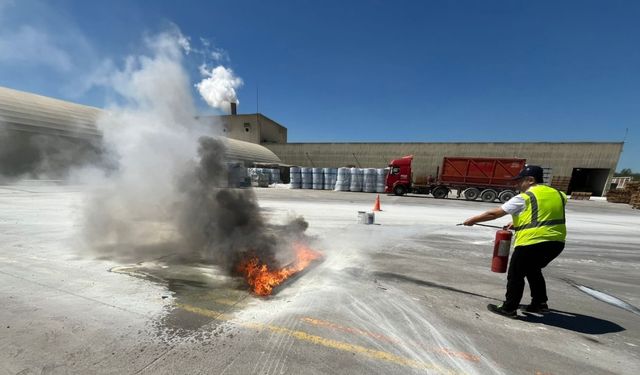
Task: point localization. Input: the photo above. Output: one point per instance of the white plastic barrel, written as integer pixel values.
(356, 179)
(317, 179)
(381, 179)
(329, 177)
(275, 176)
(295, 178)
(343, 179)
(307, 177)
(369, 180)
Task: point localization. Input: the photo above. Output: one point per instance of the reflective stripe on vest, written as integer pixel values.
(534, 214)
(528, 226)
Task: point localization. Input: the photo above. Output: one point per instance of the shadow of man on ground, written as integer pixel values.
(573, 322)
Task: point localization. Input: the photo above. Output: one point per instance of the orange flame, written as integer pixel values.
(262, 280)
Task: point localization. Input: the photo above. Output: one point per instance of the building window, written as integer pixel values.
(247, 127)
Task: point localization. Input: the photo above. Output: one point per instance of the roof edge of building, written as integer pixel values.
(452, 143)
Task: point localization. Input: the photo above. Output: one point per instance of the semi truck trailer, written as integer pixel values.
(485, 178)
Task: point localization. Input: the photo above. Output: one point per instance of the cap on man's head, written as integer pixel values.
(532, 171)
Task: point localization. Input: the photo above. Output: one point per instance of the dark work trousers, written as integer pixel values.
(528, 261)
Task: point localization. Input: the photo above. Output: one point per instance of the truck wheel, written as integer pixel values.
(399, 190)
(471, 194)
(488, 195)
(440, 192)
(506, 195)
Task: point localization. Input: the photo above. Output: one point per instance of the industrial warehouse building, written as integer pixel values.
(256, 139)
(574, 166)
(41, 136)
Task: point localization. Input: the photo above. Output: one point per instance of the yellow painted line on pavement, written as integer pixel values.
(217, 315)
(380, 337)
(322, 341)
(227, 301)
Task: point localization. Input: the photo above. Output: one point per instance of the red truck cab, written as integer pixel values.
(399, 178)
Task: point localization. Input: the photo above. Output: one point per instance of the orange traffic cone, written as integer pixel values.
(376, 206)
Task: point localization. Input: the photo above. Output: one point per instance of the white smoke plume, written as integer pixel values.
(167, 196)
(218, 88)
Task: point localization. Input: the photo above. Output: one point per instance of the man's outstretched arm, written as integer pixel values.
(489, 215)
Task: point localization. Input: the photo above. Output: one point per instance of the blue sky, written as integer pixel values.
(366, 70)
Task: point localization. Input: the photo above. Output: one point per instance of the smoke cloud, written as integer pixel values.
(40, 156)
(169, 196)
(218, 89)
(227, 223)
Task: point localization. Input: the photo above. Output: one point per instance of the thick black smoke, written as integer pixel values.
(226, 224)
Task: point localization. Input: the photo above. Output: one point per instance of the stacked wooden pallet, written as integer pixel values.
(581, 195)
(633, 187)
(561, 183)
(635, 201)
(634, 190)
(624, 195)
(618, 196)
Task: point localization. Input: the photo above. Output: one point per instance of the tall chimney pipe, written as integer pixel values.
(234, 109)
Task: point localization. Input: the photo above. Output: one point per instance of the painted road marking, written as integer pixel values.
(356, 331)
(217, 315)
(322, 341)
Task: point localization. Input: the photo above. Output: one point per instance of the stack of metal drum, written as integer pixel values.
(329, 177)
(275, 176)
(381, 178)
(307, 177)
(295, 177)
(343, 180)
(369, 180)
(357, 177)
(317, 179)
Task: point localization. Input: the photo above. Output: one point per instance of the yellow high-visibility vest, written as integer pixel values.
(543, 218)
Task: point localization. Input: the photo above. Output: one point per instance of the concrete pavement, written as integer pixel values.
(405, 296)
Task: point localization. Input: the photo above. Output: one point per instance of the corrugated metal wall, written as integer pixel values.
(562, 157)
(27, 112)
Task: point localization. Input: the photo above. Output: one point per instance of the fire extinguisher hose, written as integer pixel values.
(487, 225)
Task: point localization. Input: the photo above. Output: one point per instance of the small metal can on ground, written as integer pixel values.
(366, 218)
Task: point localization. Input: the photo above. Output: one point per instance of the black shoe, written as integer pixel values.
(537, 308)
(513, 314)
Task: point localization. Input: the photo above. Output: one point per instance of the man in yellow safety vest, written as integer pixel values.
(539, 223)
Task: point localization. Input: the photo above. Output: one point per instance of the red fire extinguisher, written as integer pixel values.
(501, 247)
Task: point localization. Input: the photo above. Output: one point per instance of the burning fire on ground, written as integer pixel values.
(262, 280)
